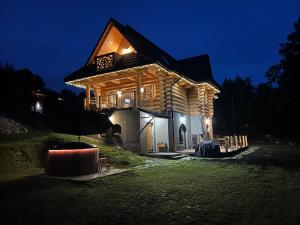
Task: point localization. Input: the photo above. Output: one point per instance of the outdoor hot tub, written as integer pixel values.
(72, 159)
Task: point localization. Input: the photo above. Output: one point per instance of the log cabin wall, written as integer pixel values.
(180, 99)
(168, 91)
(194, 101)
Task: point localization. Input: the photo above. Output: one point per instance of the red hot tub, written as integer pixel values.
(72, 159)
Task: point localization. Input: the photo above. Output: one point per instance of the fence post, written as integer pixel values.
(236, 141)
(246, 140)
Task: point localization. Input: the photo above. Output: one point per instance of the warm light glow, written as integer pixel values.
(72, 151)
(111, 118)
(182, 119)
(207, 120)
(119, 93)
(126, 50)
(142, 90)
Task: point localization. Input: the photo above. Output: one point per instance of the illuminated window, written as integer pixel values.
(128, 100)
(146, 95)
(112, 101)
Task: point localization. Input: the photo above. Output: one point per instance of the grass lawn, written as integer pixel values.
(258, 188)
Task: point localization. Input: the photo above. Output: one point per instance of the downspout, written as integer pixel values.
(172, 115)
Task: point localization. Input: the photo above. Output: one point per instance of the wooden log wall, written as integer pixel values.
(172, 95)
(180, 99)
(202, 99)
(183, 96)
(194, 102)
(210, 102)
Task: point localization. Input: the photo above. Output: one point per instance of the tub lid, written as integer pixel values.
(73, 145)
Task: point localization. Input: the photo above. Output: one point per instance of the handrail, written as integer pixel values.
(233, 142)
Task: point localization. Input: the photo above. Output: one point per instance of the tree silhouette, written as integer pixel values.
(287, 75)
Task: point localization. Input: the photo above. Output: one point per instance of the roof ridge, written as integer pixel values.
(194, 57)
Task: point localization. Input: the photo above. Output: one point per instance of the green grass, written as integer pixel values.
(239, 191)
(29, 151)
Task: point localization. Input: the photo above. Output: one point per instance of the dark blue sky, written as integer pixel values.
(53, 38)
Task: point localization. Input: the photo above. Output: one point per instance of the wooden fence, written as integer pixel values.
(231, 143)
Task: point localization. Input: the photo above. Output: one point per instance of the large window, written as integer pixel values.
(146, 96)
(113, 100)
(128, 99)
(121, 99)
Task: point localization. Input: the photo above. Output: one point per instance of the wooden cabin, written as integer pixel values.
(156, 102)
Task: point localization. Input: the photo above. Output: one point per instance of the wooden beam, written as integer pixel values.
(117, 81)
(99, 84)
(138, 90)
(131, 78)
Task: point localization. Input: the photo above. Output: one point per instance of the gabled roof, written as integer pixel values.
(196, 68)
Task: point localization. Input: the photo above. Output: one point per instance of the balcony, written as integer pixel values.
(106, 61)
(120, 100)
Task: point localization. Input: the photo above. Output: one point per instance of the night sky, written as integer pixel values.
(54, 38)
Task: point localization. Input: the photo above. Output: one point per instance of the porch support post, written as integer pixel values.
(243, 141)
(98, 98)
(87, 96)
(236, 141)
(138, 89)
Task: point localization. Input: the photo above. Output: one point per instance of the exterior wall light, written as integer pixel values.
(142, 90)
(119, 93)
(207, 121)
(126, 50)
(182, 119)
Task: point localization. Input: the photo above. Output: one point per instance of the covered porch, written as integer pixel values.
(123, 89)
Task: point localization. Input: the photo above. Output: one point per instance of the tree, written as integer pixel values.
(235, 111)
(287, 75)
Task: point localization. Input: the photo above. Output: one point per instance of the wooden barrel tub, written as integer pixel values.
(72, 159)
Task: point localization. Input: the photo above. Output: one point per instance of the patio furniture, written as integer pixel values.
(162, 147)
(103, 163)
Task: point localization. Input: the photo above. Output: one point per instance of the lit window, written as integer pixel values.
(112, 100)
(128, 100)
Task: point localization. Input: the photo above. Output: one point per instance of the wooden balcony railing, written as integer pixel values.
(232, 143)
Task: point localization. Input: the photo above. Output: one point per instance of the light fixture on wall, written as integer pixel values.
(207, 121)
(119, 93)
(126, 50)
(182, 119)
(142, 90)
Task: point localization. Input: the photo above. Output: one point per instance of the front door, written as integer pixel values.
(149, 133)
(182, 136)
